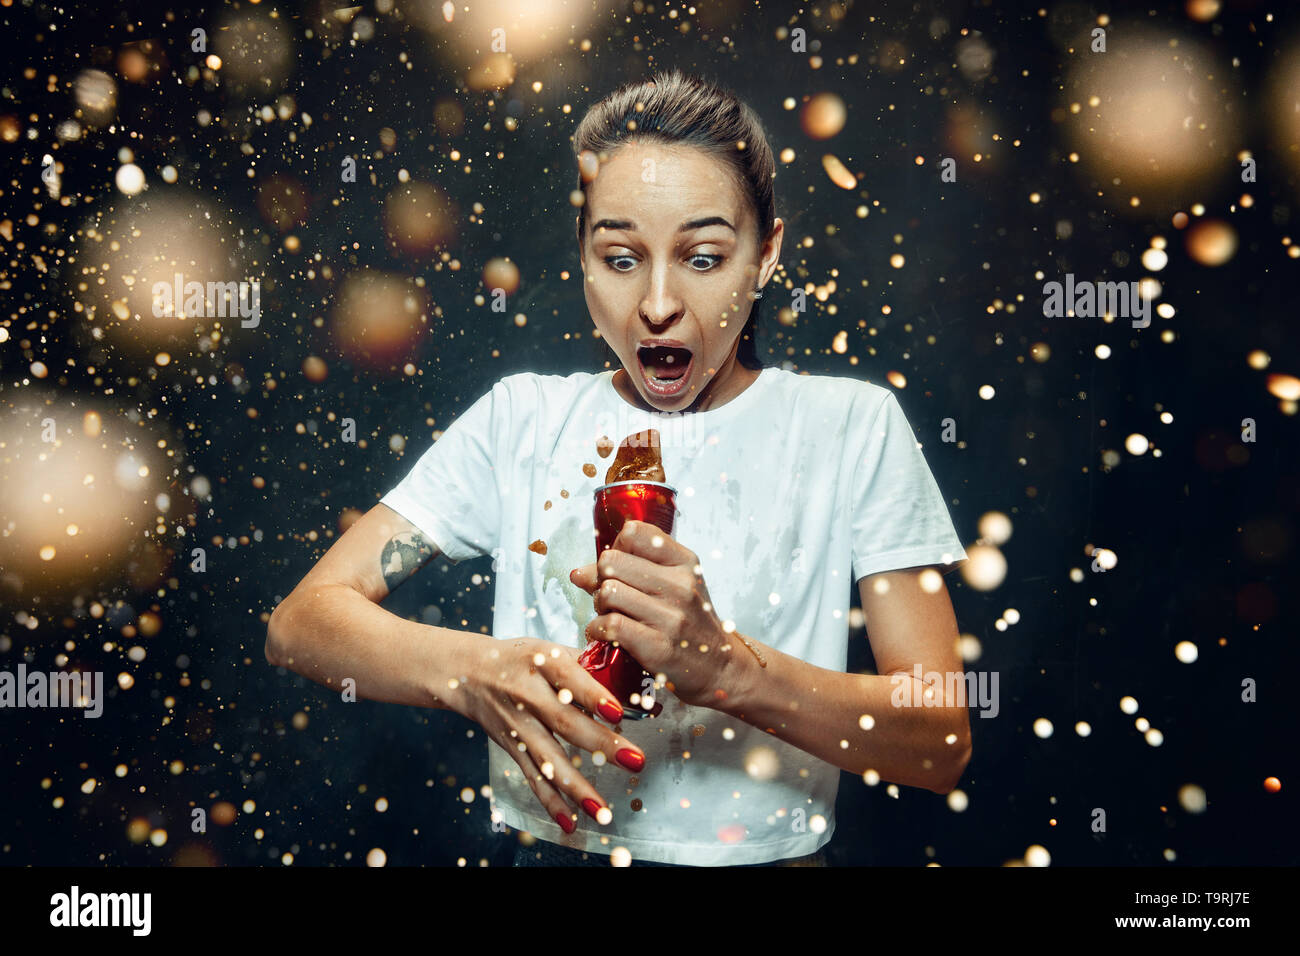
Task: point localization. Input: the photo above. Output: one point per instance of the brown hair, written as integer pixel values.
(679, 108)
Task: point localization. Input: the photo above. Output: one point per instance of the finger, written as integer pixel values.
(603, 743)
(577, 727)
(548, 796)
(646, 576)
(537, 728)
(615, 595)
(650, 542)
(574, 687)
(642, 642)
(585, 577)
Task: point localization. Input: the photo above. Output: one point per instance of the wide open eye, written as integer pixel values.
(610, 260)
(712, 260)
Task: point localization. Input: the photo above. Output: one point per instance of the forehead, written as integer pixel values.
(648, 182)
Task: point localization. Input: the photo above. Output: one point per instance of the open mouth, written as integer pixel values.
(665, 368)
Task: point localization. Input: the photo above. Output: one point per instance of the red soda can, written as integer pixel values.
(654, 503)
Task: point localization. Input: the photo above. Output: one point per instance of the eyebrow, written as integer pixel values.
(629, 226)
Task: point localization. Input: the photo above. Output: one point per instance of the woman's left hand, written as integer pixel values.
(650, 596)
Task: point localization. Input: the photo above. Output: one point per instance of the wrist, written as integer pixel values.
(458, 667)
(741, 671)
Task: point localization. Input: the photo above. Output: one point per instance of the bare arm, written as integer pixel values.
(650, 596)
(912, 740)
(520, 692)
(331, 626)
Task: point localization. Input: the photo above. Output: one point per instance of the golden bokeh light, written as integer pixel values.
(522, 30)
(1154, 113)
(1211, 242)
(419, 217)
(378, 318)
(82, 488)
(129, 248)
(824, 116)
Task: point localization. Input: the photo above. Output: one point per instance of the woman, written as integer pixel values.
(790, 488)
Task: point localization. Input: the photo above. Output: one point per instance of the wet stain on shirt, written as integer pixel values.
(571, 547)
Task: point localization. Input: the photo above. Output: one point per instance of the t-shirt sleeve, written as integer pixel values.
(900, 519)
(451, 494)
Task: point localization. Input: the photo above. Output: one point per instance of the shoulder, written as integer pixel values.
(852, 395)
(528, 400)
(536, 388)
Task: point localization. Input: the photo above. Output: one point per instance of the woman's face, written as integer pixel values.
(671, 252)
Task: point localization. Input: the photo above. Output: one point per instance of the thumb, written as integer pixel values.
(584, 577)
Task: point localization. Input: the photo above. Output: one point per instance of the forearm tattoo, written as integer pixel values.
(403, 555)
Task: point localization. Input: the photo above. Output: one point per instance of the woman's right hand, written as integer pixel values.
(523, 698)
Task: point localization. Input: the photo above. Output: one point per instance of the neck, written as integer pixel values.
(710, 397)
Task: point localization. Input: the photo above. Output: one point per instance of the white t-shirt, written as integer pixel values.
(789, 493)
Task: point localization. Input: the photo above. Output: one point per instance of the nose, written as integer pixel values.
(661, 305)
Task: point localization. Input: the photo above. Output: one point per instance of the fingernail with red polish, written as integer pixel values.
(610, 711)
(591, 806)
(630, 759)
(566, 823)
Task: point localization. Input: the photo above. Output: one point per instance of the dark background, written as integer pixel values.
(1205, 533)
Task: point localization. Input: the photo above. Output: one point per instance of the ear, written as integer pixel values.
(582, 246)
(771, 253)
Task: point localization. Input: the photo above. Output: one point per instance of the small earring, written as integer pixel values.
(758, 293)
